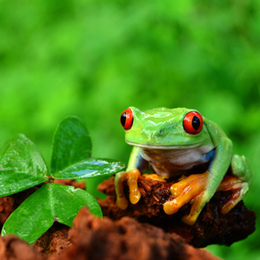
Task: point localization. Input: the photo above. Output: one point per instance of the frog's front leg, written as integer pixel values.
(238, 183)
(132, 180)
(133, 171)
(199, 188)
(192, 189)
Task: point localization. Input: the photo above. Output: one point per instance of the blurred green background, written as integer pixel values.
(93, 59)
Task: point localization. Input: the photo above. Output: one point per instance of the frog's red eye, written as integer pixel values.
(127, 119)
(193, 122)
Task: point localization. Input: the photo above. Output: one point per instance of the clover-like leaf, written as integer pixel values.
(21, 166)
(71, 144)
(90, 168)
(67, 201)
(12, 182)
(52, 202)
(32, 218)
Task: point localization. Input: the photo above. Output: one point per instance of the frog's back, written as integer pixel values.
(167, 111)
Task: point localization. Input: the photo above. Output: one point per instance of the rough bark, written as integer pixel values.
(211, 227)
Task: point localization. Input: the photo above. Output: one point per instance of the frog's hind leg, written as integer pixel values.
(238, 182)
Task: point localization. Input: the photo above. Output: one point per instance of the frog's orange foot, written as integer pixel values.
(134, 193)
(188, 190)
(238, 187)
(154, 177)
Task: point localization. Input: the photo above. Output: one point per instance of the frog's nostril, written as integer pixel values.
(160, 132)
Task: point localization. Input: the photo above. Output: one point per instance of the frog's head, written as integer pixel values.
(164, 128)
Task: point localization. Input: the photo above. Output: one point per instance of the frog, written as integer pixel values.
(180, 143)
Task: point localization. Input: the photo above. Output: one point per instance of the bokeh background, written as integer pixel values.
(93, 59)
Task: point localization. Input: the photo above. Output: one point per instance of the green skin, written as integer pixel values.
(160, 132)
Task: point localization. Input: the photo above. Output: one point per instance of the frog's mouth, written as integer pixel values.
(165, 147)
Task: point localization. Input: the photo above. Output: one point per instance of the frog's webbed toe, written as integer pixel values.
(237, 186)
(238, 182)
(132, 181)
(191, 189)
(134, 193)
(121, 200)
(154, 177)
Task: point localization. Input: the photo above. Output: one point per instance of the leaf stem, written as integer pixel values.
(50, 180)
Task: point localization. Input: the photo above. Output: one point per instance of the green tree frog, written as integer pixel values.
(180, 143)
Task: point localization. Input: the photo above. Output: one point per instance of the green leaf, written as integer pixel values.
(32, 218)
(90, 168)
(67, 201)
(21, 166)
(71, 144)
(12, 182)
(52, 202)
(22, 155)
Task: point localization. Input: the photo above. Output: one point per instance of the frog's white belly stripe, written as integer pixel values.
(171, 162)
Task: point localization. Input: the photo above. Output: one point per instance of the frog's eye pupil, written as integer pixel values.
(127, 119)
(193, 122)
(123, 119)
